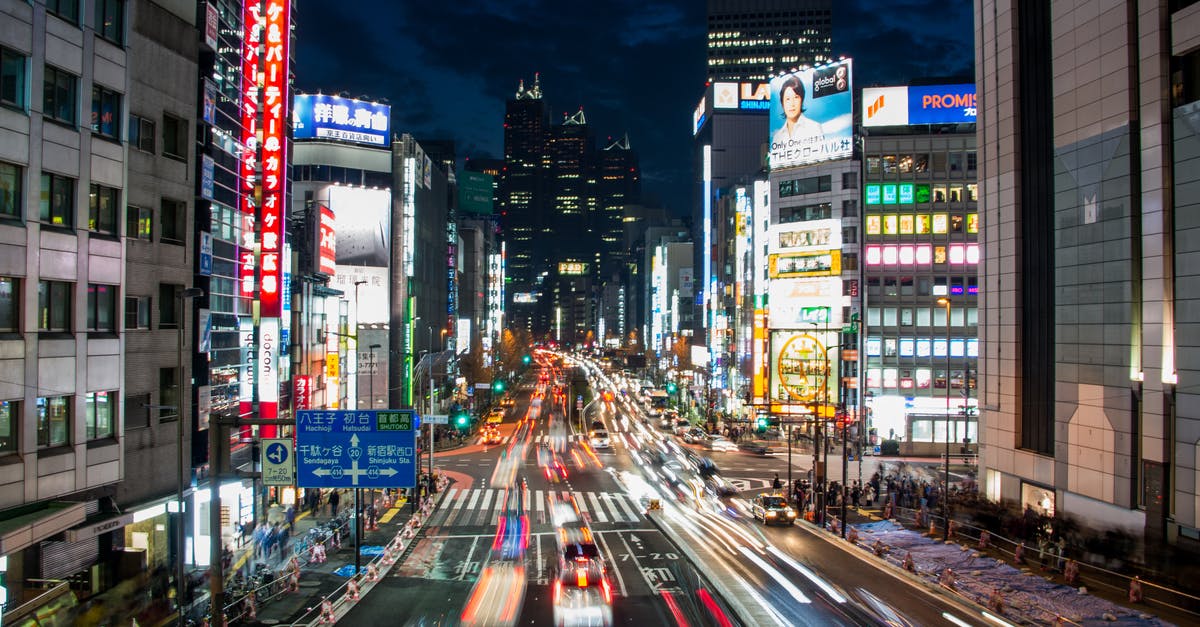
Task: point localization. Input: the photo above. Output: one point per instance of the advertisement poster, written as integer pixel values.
(812, 116)
(804, 367)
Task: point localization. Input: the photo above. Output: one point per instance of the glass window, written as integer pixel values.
(59, 95)
(54, 306)
(138, 222)
(11, 178)
(941, 223)
(849, 234)
(106, 112)
(12, 78)
(889, 316)
(849, 180)
(110, 20)
(173, 212)
(972, 222)
(58, 200)
(956, 224)
(922, 431)
(874, 225)
(906, 317)
(956, 164)
(102, 308)
(100, 414)
(850, 208)
(168, 394)
(972, 316)
(103, 204)
(906, 225)
(10, 304)
(874, 165)
(956, 193)
(66, 9)
(141, 133)
(889, 350)
(922, 316)
(924, 348)
(137, 312)
(174, 136)
(10, 417)
(53, 420)
(873, 316)
(939, 164)
(168, 315)
(849, 261)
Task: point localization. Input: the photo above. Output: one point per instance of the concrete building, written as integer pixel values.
(63, 185)
(163, 47)
(751, 40)
(919, 230)
(1089, 367)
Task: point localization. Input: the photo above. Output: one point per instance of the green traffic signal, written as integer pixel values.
(671, 387)
(497, 386)
(462, 420)
(526, 359)
(762, 423)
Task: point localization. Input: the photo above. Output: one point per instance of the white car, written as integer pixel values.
(599, 439)
(719, 443)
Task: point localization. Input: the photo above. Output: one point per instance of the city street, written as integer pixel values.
(777, 575)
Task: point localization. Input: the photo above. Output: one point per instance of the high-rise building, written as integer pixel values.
(620, 185)
(1088, 372)
(752, 40)
(522, 186)
(572, 196)
(919, 232)
(164, 47)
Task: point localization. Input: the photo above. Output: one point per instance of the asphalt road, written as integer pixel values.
(652, 585)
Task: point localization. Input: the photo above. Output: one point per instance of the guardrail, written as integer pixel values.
(339, 602)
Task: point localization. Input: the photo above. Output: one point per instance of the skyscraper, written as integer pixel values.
(572, 194)
(522, 181)
(620, 185)
(750, 40)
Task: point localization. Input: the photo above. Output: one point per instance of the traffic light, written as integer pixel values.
(462, 419)
(526, 359)
(671, 387)
(498, 386)
(761, 424)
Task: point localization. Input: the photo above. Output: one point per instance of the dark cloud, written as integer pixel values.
(636, 66)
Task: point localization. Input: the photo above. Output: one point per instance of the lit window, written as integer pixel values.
(906, 255)
(941, 223)
(100, 414)
(890, 255)
(972, 253)
(873, 255)
(53, 420)
(924, 254)
(958, 253)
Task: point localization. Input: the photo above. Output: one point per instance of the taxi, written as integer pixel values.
(772, 509)
(491, 434)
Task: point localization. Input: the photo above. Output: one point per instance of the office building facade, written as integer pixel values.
(752, 40)
(1086, 143)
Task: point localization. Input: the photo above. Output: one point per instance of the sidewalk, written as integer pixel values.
(317, 580)
(1029, 592)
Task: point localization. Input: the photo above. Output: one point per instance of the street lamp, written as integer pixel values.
(945, 302)
(181, 425)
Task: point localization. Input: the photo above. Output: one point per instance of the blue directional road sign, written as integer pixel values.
(356, 449)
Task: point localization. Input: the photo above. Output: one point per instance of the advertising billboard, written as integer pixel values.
(810, 236)
(812, 116)
(918, 104)
(811, 264)
(572, 268)
(804, 367)
(742, 96)
(475, 193)
(318, 116)
(361, 247)
(524, 298)
(791, 300)
(326, 242)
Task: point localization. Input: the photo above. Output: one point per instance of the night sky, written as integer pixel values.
(636, 66)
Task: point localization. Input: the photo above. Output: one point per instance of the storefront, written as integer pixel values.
(237, 509)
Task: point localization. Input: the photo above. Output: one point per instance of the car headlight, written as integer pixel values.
(770, 514)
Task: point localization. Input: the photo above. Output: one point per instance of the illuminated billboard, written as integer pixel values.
(923, 104)
(698, 115)
(572, 268)
(812, 116)
(524, 298)
(362, 248)
(813, 235)
(797, 303)
(804, 367)
(326, 242)
(742, 96)
(318, 116)
(796, 265)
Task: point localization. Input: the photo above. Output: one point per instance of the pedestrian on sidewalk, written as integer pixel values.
(334, 499)
(776, 484)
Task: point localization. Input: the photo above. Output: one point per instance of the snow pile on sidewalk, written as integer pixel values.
(976, 576)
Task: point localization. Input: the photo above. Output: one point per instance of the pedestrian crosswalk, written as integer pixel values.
(483, 506)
